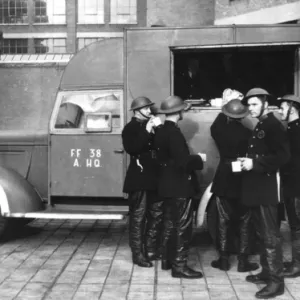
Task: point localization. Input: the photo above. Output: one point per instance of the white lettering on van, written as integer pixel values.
(97, 163)
(95, 153)
(75, 152)
(76, 163)
(93, 163)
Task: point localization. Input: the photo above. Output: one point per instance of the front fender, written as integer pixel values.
(203, 205)
(17, 194)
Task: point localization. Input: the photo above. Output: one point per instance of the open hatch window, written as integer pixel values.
(202, 75)
(88, 111)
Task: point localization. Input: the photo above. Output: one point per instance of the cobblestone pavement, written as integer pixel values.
(79, 259)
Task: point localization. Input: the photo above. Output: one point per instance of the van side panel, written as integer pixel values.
(27, 96)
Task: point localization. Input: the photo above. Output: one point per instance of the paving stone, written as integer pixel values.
(112, 292)
(33, 291)
(70, 277)
(45, 275)
(189, 295)
(140, 295)
(169, 295)
(11, 288)
(88, 291)
(141, 288)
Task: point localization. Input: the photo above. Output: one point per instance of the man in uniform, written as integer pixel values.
(290, 173)
(231, 138)
(268, 151)
(176, 188)
(145, 208)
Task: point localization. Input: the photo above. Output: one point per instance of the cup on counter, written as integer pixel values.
(218, 102)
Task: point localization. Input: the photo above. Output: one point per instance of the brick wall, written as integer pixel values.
(226, 8)
(180, 12)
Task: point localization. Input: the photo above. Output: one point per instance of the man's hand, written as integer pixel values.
(247, 163)
(153, 122)
(150, 125)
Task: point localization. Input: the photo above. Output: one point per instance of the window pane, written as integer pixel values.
(123, 12)
(59, 7)
(50, 46)
(13, 11)
(91, 11)
(91, 7)
(50, 11)
(15, 46)
(75, 106)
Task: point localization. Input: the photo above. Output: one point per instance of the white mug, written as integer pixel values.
(236, 166)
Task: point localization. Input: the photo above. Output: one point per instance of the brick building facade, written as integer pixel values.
(66, 26)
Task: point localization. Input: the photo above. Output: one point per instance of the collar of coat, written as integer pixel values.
(263, 117)
(168, 122)
(138, 120)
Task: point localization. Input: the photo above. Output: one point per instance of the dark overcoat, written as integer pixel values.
(269, 149)
(231, 138)
(142, 171)
(290, 173)
(177, 165)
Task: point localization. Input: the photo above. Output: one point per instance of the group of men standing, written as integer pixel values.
(161, 182)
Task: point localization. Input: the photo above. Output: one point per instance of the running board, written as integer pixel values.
(119, 213)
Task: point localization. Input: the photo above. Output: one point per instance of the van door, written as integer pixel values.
(86, 155)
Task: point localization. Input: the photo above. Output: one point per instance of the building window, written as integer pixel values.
(83, 42)
(15, 46)
(50, 11)
(13, 12)
(50, 46)
(123, 12)
(90, 11)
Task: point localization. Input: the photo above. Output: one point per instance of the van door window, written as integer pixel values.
(88, 111)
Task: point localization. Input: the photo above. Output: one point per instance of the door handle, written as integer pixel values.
(119, 151)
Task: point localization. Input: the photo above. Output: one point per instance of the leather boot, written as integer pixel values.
(292, 271)
(140, 260)
(186, 272)
(153, 256)
(245, 266)
(271, 290)
(166, 264)
(260, 278)
(222, 263)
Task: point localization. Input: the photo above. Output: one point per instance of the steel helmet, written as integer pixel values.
(154, 110)
(140, 102)
(235, 109)
(288, 98)
(254, 93)
(172, 105)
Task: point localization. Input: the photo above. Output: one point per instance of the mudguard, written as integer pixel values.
(17, 194)
(203, 205)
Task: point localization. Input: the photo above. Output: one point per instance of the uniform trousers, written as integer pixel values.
(145, 221)
(292, 205)
(230, 212)
(177, 231)
(267, 229)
